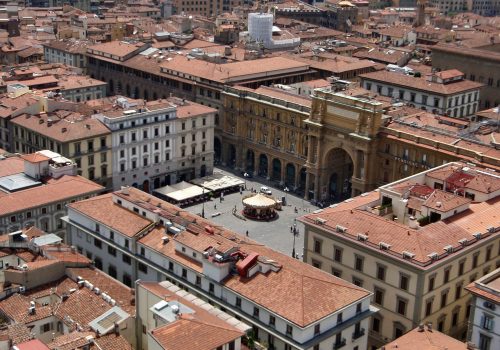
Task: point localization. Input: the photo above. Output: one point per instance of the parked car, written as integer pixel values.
(266, 190)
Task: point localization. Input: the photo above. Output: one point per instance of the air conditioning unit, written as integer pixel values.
(341, 229)
(408, 255)
(384, 246)
(320, 221)
(448, 249)
(362, 237)
(433, 256)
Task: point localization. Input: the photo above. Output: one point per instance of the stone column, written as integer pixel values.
(269, 167)
(283, 171)
(297, 176)
(308, 182)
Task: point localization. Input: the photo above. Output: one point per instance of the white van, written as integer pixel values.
(266, 190)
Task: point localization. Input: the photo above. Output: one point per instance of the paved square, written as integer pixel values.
(275, 234)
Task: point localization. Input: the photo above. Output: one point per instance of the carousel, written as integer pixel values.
(259, 207)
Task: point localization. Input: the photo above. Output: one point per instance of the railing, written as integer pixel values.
(358, 334)
(339, 344)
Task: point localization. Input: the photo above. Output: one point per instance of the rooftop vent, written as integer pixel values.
(408, 255)
(384, 246)
(448, 249)
(362, 237)
(477, 235)
(463, 241)
(175, 309)
(341, 229)
(165, 239)
(492, 229)
(433, 256)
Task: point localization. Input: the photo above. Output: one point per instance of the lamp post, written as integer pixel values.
(203, 203)
(286, 190)
(245, 175)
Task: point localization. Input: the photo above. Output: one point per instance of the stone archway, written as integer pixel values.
(290, 175)
(263, 165)
(145, 186)
(339, 169)
(217, 150)
(276, 170)
(250, 163)
(203, 170)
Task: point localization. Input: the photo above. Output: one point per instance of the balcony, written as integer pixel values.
(339, 344)
(358, 334)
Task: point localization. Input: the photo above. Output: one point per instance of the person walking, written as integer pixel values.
(247, 233)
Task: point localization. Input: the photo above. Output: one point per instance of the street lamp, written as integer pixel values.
(245, 175)
(286, 190)
(203, 203)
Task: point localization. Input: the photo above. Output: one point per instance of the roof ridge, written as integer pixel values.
(346, 285)
(228, 328)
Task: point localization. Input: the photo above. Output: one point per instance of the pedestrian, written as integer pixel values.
(247, 233)
(215, 206)
(241, 190)
(291, 229)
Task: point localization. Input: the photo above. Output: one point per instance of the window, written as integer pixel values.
(111, 250)
(337, 254)
(403, 282)
(428, 307)
(487, 322)
(317, 246)
(381, 272)
(358, 263)
(458, 291)
(461, 265)
(401, 306)
(238, 302)
(339, 318)
(272, 320)
(45, 328)
(446, 277)
(358, 308)
(444, 299)
(454, 319)
(317, 329)
(484, 342)
(97, 243)
(183, 126)
(198, 281)
(126, 259)
(184, 273)
(255, 312)
(289, 330)
(211, 288)
(376, 323)
(170, 266)
(356, 281)
(488, 253)
(431, 282)
(475, 260)
(90, 146)
(379, 296)
(143, 268)
(336, 273)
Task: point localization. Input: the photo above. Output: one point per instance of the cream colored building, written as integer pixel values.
(85, 141)
(416, 243)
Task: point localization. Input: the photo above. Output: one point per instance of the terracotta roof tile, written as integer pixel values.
(103, 210)
(11, 166)
(426, 340)
(65, 187)
(420, 83)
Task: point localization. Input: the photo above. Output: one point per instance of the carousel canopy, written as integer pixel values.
(259, 201)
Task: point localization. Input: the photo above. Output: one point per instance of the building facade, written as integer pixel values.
(34, 201)
(413, 243)
(157, 143)
(445, 93)
(85, 141)
(154, 241)
(480, 64)
(484, 325)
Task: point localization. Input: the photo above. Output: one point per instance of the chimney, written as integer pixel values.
(429, 326)
(116, 328)
(421, 327)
